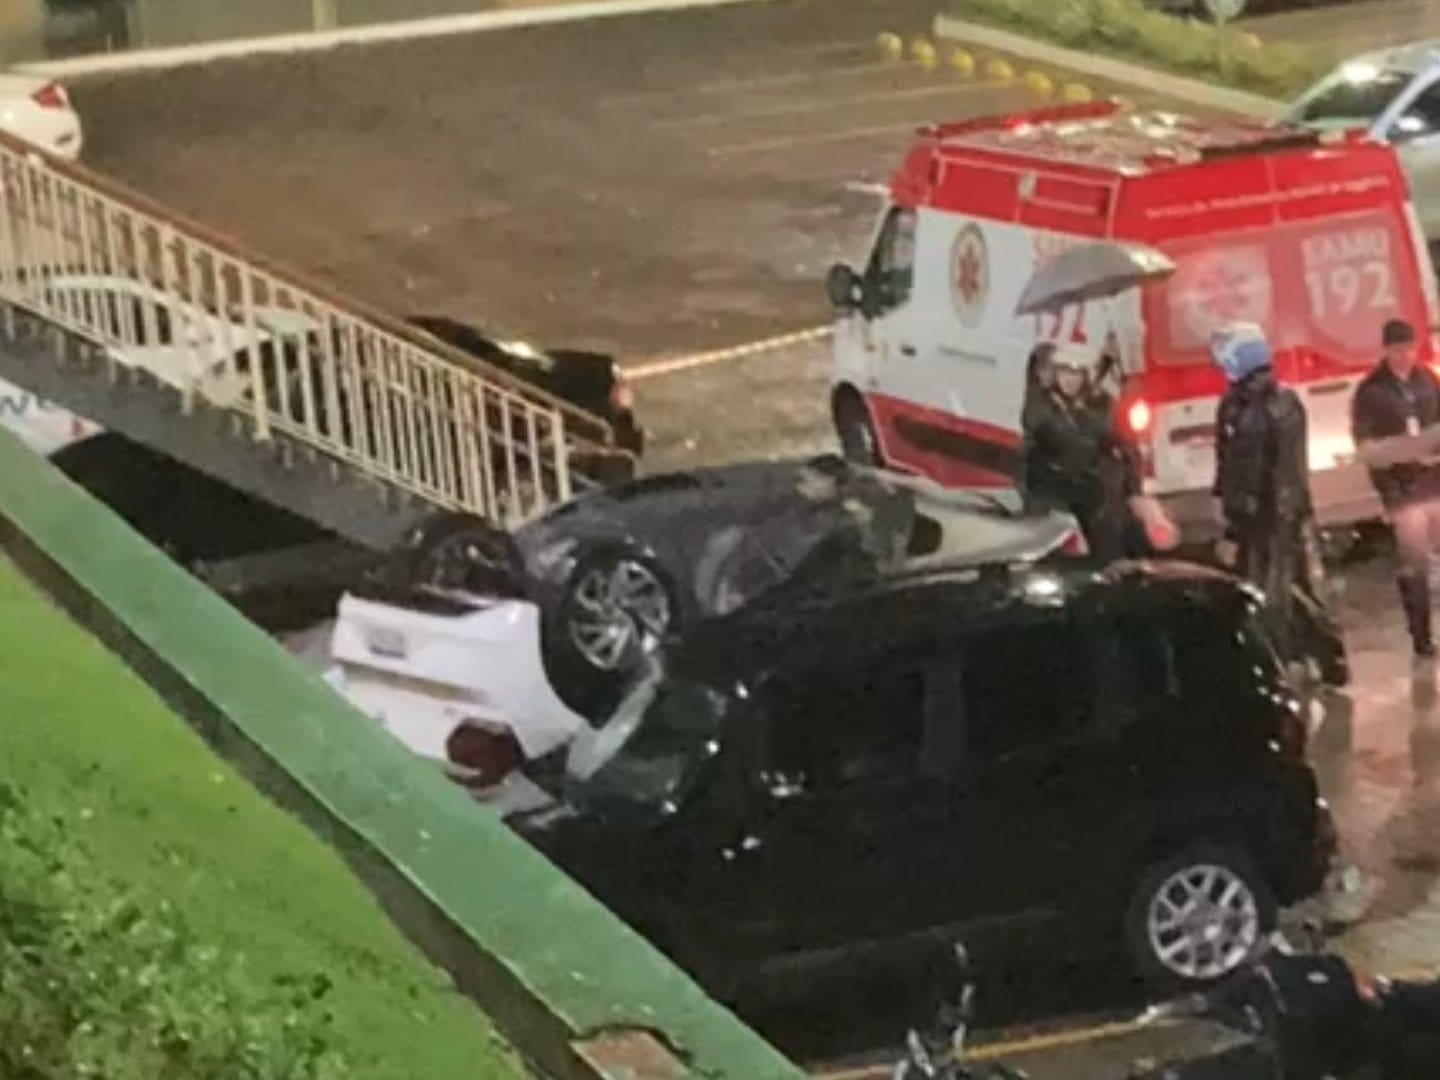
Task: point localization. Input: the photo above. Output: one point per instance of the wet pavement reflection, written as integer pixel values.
(1377, 753)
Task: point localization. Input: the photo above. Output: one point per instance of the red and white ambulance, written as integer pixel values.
(1313, 237)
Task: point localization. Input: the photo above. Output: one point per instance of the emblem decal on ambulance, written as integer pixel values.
(970, 275)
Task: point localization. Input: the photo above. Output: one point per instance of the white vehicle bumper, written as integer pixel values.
(422, 674)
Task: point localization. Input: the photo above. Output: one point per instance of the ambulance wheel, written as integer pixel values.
(856, 432)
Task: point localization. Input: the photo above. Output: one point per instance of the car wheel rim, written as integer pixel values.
(618, 610)
(1204, 922)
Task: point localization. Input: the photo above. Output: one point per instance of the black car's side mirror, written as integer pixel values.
(844, 288)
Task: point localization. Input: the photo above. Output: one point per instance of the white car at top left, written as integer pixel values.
(38, 110)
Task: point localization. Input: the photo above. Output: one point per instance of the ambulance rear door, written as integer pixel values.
(1320, 259)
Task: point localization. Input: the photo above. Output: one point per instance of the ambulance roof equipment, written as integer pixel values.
(1104, 137)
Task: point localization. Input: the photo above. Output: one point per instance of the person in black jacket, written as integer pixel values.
(1072, 457)
(1262, 487)
(1395, 403)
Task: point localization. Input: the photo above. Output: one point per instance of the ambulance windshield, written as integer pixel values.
(1353, 95)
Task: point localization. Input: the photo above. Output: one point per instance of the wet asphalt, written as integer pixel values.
(663, 185)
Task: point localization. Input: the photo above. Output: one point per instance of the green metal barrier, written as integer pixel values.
(575, 990)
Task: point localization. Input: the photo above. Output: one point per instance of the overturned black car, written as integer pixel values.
(616, 572)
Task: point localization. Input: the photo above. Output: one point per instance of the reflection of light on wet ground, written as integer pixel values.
(1377, 754)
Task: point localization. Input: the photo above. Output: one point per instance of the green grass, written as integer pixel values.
(108, 802)
(1128, 30)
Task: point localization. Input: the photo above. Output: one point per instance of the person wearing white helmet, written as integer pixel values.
(1072, 457)
(1262, 489)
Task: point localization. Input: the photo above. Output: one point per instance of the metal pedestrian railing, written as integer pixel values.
(229, 330)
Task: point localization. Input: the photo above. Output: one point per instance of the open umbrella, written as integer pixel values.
(1095, 270)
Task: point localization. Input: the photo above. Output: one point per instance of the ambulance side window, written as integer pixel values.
(891, 273)
(1421, 120)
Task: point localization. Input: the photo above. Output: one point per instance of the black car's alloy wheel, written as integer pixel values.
(1197, 917)
(618, 610)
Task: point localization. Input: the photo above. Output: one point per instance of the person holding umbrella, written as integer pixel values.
(1072, 458)
(1073, 453)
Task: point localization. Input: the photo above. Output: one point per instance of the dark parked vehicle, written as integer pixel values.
(1104, 755)
(588, 380)
(80, 27)
(618, 571)
(1225, 10)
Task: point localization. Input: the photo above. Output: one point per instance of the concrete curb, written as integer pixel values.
(1192, 91)
(321, 40)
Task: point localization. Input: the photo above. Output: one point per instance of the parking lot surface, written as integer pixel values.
(660, 186)
(1353, 26)
(655, 185)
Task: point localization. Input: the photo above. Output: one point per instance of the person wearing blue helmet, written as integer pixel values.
(1262, 490)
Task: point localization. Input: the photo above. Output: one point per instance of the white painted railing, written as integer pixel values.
(230, 331)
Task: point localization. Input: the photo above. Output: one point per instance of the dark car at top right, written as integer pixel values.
(589, 380)
(1226, 10)
(825, 782)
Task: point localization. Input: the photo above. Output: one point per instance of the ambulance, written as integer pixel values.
(1312, 236)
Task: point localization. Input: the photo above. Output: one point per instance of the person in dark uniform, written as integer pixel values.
(1393, 406)
(1072, 457)
(1262, 487)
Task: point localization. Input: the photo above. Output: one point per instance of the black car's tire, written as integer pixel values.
(855, 429)
(454, 549)
(620, 589)
(1231, 910)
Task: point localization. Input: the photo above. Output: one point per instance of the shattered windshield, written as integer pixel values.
(855, 525)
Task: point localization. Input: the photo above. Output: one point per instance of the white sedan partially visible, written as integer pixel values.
(38, 110)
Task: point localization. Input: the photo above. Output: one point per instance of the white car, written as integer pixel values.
(38, 110)
(1393, 95)
(448, 659)
(188, 351)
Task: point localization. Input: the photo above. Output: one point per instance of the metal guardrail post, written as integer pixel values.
(259, 403)
(562, 460)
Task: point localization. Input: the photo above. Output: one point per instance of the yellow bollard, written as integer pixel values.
(1038, 83)
(924, 54)
(999, 71)
(963, 63)
(1076, 94)
(891, 47)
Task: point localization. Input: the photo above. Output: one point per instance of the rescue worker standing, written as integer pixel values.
(1262, 485)
(1393, 405)
(1072, 458)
